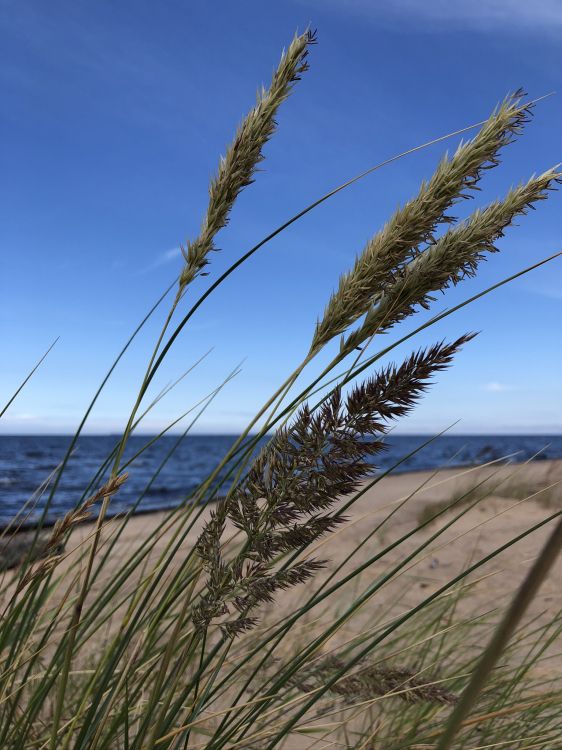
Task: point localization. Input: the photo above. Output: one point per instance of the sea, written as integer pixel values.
(165, 474)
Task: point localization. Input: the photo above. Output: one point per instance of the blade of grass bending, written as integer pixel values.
(314, 387)
(172, 424)
(172, 385)
(502, 635)
(404, 618)
(27, 379)
(318, 597)
(302, 213)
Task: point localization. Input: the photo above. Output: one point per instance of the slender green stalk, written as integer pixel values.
(27, 379)
(503, 634)
(364, 652)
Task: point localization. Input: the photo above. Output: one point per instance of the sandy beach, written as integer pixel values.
(507, 501)
(515, 497)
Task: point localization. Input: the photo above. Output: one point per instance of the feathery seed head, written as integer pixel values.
(236, 169)
(55, 543)
(282, 505)
(373, 680)
(83, 512)
(453, 257)
(413, 225)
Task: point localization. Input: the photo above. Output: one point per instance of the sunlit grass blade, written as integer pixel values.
(27, 379)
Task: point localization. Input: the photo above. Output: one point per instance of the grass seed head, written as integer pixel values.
(450, 259)
(237, 168)
(414, 224)
(285, 502)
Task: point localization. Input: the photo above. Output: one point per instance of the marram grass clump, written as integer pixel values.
(233, 624)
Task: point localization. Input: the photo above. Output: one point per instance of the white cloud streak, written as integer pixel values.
(495, 387)
(484, 15)
(163, 259)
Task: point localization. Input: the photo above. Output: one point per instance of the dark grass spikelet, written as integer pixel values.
(397, 391)
(284, 503)
(374, 681)
(453, 257)
(413, 225)
(237, 168)
(52, 548)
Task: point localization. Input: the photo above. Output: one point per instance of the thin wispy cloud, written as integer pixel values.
(495, 387)
(169, 255)
(163, 259)
(549, 293)
(22, 417)
(485, 15)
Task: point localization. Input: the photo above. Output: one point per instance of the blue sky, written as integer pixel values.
(113, 118)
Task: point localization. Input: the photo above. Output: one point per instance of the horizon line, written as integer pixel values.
(253, 434)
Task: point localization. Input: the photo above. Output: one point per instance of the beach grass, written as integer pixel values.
(240, 619)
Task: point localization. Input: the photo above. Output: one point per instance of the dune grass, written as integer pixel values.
(227, 628)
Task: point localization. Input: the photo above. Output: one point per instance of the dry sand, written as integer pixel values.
(518, 496)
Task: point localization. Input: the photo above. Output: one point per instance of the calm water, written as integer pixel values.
(26, 461)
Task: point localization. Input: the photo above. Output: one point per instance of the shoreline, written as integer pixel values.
(395, 472)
